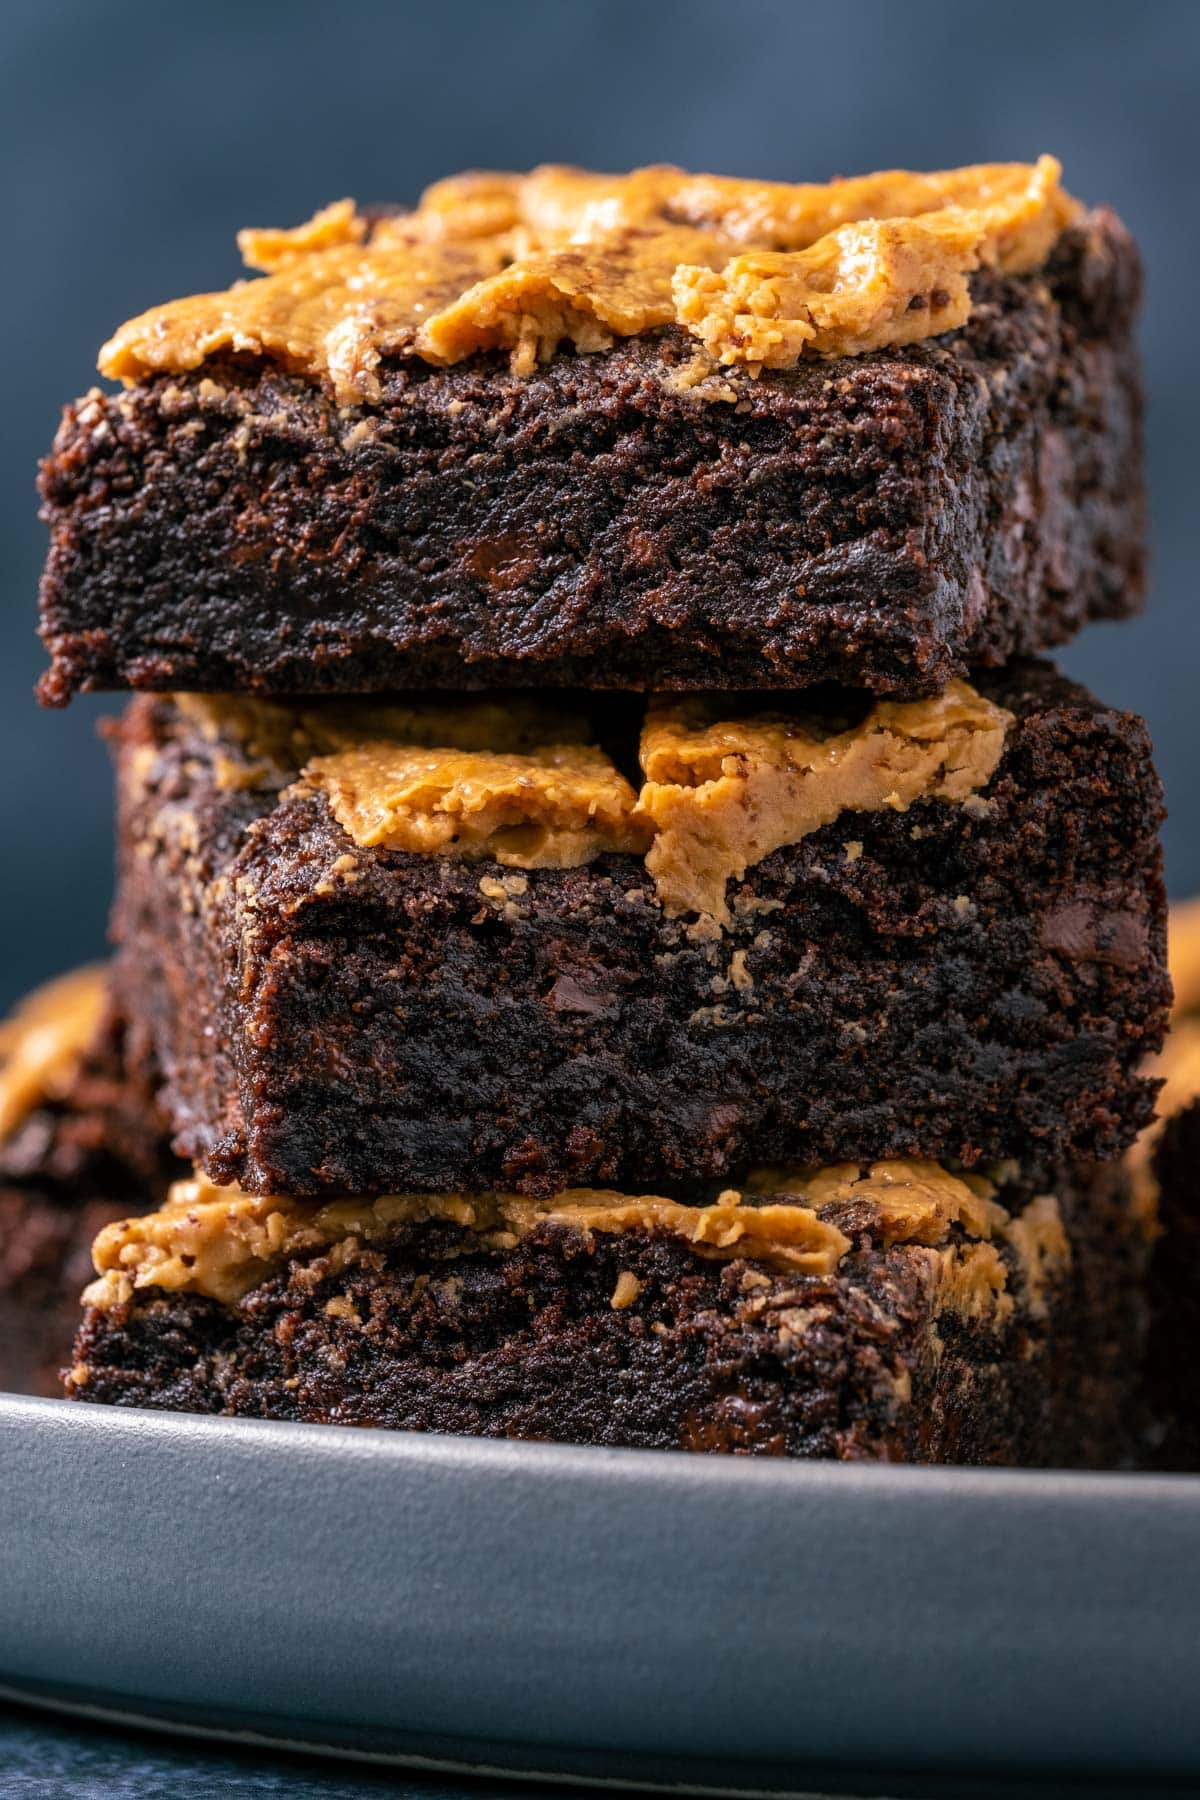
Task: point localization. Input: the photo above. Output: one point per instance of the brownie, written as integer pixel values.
(977, 1336)
(45, 1264)
(74, 1122)
(73, 1158)
(882, 520)
(971, 980)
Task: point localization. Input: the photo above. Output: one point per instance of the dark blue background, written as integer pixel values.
(135, 136)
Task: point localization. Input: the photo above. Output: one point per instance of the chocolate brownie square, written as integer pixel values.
(450, 947)
(664, 432)
(897, 1311)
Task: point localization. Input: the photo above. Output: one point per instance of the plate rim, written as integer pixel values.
(384, 1444)
(560, 1601)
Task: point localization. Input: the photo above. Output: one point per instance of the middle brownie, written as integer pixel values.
(466, 945)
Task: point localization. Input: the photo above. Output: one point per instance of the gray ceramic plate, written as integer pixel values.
(700, 1621)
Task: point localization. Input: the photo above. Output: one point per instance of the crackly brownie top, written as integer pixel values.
(44, 1041)
(222, 1242)
(725, 781)
(760, 274)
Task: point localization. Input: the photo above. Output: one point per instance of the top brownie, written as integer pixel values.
(658, 431)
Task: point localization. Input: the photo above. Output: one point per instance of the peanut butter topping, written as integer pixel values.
(489, 779)
(956, 1217)
(274, 740)
(762, 273)
(223, 1242)
(461, 776)
(328, 229)
(332, 313)
(863, 287)
(911, 1201)
(557, 807)
(557, 204)
(479, 203)
(44, 1040)
(722, 795)
(587, 296)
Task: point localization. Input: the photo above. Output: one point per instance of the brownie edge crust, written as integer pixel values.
(884, 521)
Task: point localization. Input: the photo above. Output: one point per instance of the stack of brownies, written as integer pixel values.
(635, 950)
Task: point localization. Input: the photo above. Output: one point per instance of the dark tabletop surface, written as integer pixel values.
(44, 1756)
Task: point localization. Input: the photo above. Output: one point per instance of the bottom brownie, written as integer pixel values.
(900, 1312)
(80, 1145)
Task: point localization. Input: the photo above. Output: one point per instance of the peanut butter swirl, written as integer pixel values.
(274, 738)
(556, 808)
(222, 1242)
(723, 794)
(516, 782)
(761, 274)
